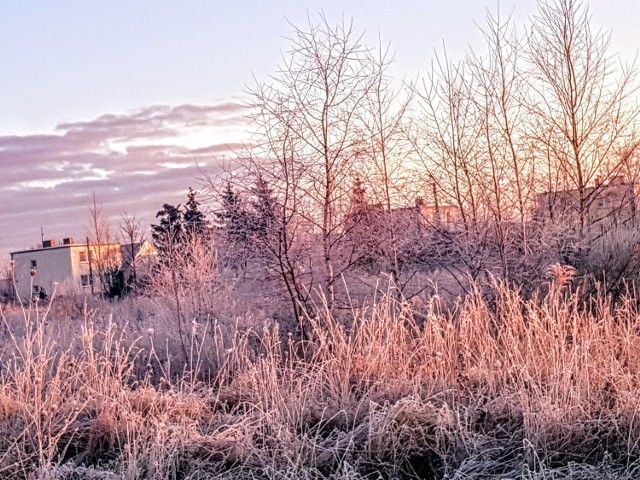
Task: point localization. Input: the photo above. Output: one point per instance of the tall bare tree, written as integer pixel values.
(386, 151)
(315, 105)
(103, 252)
(132, 234)
(449, 135)
(500, 99)
(583, 101)
(447, 140)
(268, 228)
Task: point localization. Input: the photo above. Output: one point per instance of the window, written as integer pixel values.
(34, 264)
(83, 256)
(85, 280)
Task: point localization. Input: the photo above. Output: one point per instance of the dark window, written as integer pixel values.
(34, 263)
(85, 280)
(83, 256)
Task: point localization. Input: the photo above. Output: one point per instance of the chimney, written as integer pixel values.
(67, 241)
(599, 181)
(48, 243)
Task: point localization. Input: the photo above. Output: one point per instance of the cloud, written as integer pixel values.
(146, 122)
(134, 162)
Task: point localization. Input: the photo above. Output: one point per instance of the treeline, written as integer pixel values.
(352, 171)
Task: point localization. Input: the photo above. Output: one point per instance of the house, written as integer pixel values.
(86, 267)
(604, 203)
(372, 220)
(138, 260)
(439, 214)
(368, 229)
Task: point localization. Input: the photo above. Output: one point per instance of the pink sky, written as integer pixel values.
(123, 99)
(133, 162)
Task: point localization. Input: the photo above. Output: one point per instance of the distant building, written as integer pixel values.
(373, 219)
(138, 260)
(84, 267)
(438, 214)
(605, 203)
(368, 227)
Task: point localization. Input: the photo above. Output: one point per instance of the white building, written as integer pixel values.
(78, 266)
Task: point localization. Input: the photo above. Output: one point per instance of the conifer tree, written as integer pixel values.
(236, 226)
(264, 206)
(167, 234)
(194, 220)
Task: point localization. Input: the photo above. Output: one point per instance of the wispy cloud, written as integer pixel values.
(134, 162)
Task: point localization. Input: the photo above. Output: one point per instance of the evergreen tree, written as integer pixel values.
(193, 219)
(264, 207)
(168, 233)
(179, 225)
(364, 227)
(237, 226)
(358, 197)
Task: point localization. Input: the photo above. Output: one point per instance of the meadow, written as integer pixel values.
(487, 387)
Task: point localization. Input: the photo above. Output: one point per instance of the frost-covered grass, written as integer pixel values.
(538, 389)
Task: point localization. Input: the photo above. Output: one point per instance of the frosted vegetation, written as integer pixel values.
(376, 287)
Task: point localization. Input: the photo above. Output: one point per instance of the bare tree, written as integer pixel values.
(386, 152)
(276, 238)
(500, 99)
(447, 140)
(102, 250)
(582, 101)
(315, 104)
(286, 242)
(7, 290)
(132, 234)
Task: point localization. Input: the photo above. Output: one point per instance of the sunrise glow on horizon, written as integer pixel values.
(127, 100)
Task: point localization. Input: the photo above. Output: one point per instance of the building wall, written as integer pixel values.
(68, 264)
(101, 259)
(445, 214)
(612, 203)
(79, 266)
(103, 256)
(53, 265)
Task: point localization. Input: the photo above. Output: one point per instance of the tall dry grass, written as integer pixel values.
(546, 388)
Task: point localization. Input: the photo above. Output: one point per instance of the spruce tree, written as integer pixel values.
(167, 235)
(264, 207)
(194, 220)
(237, 226)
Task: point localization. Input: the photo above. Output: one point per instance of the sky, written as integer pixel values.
(134, 100)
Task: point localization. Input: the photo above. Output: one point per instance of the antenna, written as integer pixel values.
(42, 234)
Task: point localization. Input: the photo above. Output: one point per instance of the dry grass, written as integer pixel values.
(539, 389)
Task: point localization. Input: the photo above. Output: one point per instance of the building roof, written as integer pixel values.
(614, 184)
(59, 247)
(130, 251)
